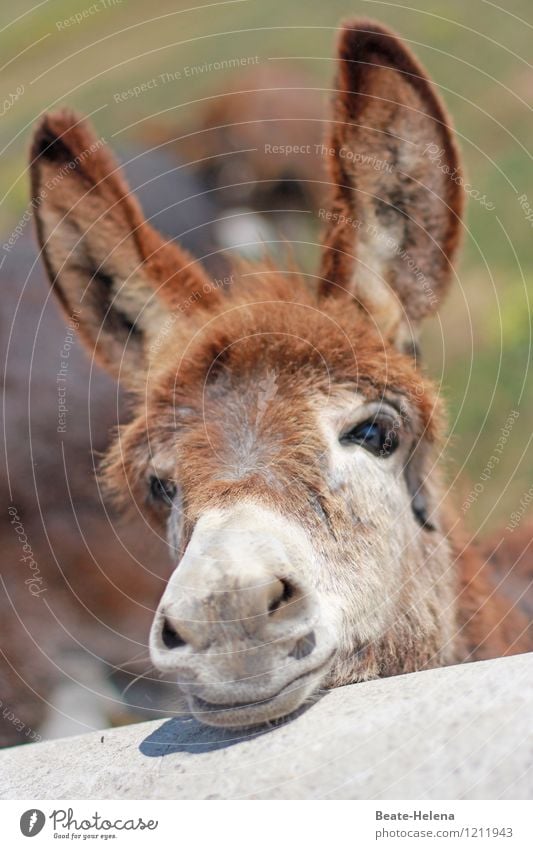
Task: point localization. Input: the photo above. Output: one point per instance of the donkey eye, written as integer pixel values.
(161, 490)
(376, 435)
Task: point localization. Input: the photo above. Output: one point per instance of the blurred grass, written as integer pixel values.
(477, 53)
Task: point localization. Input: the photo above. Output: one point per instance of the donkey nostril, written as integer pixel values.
(286, 591)
(170, 636)
(303, 646)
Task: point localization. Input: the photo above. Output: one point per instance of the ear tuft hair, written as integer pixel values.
(394, 223)
(103, 258)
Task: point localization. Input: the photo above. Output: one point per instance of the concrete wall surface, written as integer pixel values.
(461, 732)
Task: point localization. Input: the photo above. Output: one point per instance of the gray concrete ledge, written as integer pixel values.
(461, 732)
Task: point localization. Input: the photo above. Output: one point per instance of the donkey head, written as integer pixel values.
(284, 438)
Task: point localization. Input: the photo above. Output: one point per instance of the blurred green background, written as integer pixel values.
(476, 51)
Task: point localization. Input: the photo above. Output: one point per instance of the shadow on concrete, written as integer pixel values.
(186, 734)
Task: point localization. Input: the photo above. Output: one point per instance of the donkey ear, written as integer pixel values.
(107, 266)
(394, 222)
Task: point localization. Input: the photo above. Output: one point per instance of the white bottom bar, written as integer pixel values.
(268, 824)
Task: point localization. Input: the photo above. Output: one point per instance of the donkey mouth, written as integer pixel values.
(260, 710)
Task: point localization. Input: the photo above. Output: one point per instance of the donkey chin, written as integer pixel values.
(239, 625)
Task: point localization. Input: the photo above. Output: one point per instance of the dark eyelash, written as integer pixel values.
(377, 435)
(162, 491)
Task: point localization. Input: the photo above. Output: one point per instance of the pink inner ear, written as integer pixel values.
(101, 255)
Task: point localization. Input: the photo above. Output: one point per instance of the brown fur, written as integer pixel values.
(262, 104)
(488, 625)
(197, 416)
(78, 184)
(385, 107)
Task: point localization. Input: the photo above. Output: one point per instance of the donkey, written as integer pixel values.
(284, 439)
(69, 589)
